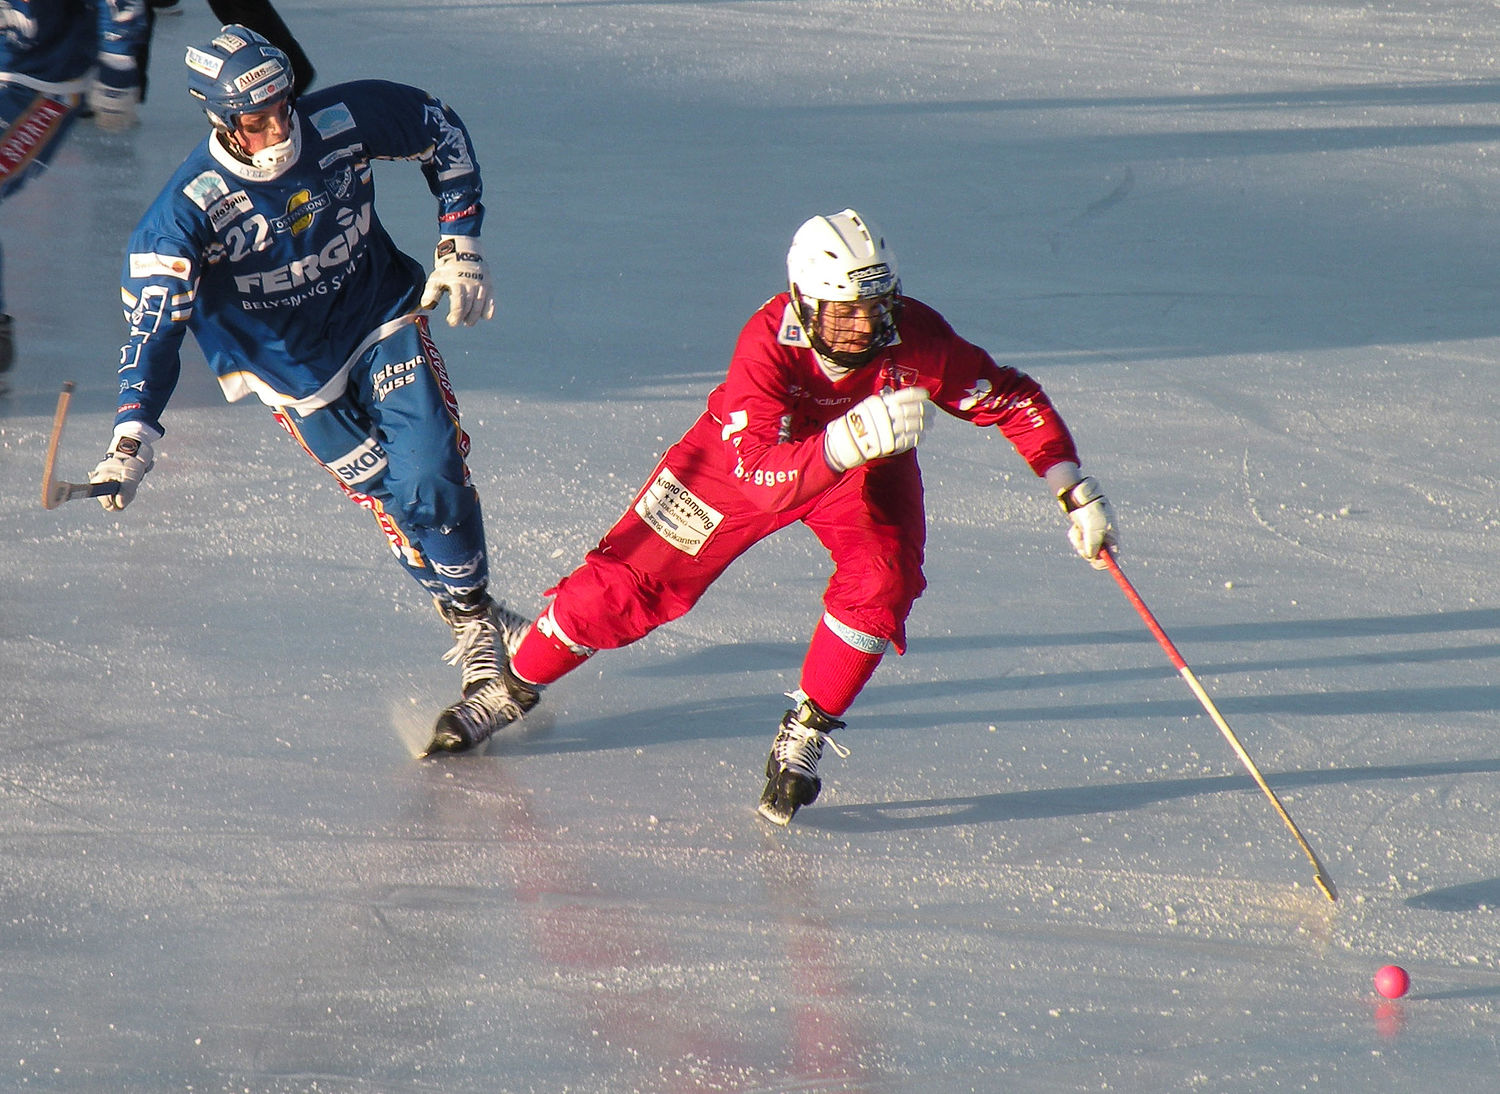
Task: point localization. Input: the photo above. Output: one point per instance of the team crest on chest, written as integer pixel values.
(341, 183)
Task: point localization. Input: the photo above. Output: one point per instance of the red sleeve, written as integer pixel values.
(973, 387)
(773, 439)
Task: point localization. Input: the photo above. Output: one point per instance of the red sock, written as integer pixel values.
(542, 658)
(833, 672)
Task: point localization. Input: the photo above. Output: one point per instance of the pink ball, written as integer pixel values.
(1392, 981)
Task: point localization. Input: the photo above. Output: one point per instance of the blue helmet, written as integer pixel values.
(237, 73)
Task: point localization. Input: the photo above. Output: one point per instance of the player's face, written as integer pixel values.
(849, 326)
(262, 129)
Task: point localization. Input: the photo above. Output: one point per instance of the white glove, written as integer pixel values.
(128, 460)
(1093, 520)
(459, 269)
(114, 93)
(881, 425)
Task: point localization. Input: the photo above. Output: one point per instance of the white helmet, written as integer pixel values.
(842, 256)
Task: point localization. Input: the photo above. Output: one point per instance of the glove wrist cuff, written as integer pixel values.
(458, 249)
(1081, 493)
(139, 430)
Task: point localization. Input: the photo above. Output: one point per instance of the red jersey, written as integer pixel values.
(776, 399)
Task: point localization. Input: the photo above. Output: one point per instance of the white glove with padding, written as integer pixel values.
(1093, 520)
(459, 269)
(114, 93)
(127, 461)
(882, 425)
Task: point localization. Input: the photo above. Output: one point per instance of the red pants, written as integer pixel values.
(650, 569)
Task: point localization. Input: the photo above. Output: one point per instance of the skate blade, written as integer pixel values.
(776, 815)
(450, 742)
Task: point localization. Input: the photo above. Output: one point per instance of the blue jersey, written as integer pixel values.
(51, 45)
(285, 277)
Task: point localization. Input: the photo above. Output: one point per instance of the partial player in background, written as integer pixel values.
(54, 54)
(818, 422)
(266, 245)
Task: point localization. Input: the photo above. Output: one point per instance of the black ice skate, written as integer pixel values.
(792, 769)
(484, 636)
(492, 704)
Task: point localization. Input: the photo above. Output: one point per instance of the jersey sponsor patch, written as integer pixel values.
(332, 120)
(360, 465)
(206, 190)
(672, 512)
(151, 264)
(230, 208)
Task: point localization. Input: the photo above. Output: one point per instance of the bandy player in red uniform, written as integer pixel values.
(817, 421)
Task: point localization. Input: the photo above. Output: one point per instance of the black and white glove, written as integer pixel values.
(1093, 520)
(459, 269)
(114, 93)
(881, 425)
(128, 460)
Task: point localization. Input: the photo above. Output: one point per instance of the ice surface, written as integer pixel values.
(1249, 250)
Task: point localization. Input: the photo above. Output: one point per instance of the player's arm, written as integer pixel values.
(401, 122)
(157, 291)
(115, 91)
(981, 391)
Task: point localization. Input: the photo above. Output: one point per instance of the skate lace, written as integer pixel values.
(799, 748)
(475, 648)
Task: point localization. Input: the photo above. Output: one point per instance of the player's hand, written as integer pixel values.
(1093, 521)
(114, 93)
(128, 460)
(459, 269)
(881, 425)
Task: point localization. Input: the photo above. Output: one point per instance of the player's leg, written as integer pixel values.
(402, 384)
(687, 525)
(32, 124)
(346, 438)
(874, 526)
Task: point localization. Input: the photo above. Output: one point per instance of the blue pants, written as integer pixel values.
(394, 443)
(32, 124)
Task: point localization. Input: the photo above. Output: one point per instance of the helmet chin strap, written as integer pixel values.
(280, 155)
(272, 159)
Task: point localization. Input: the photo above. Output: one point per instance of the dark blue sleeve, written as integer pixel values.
(399, 122)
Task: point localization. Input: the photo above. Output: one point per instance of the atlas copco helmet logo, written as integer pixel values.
(275, 88)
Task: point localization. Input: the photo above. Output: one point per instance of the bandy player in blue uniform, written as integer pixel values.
(54, 56)
(266, 245)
